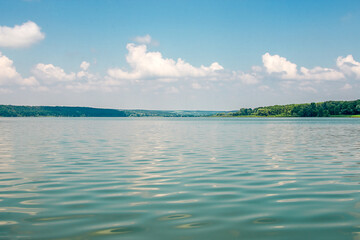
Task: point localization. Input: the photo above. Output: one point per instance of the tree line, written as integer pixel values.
(47, 111)
(321, 109)
(60, 111)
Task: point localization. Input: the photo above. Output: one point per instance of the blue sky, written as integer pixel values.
(233, 53)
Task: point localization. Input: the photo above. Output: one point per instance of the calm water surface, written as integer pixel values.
(160, 178)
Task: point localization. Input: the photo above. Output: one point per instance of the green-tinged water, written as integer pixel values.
(198, 178)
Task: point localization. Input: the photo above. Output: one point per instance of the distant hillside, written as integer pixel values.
(46, 111)
(321, 109)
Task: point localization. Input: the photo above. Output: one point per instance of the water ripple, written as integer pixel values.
(93, 178)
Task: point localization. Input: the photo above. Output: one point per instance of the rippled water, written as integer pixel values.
(194, 178)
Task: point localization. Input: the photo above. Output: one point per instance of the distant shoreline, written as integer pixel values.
(331, 116)
(62, 111)
(337, 109)
(321, 109)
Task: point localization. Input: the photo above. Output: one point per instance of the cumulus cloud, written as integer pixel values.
(348, 65)
(277, 64)
(20, 35)
(49, 72)
(84, 65)
(9, 75)
(145, 64)
(319, 73)
(8, 72)
(30, 81)
(173, 75)
(143, 39)
(288, 70)
(248, 79)
(84, 73)
(49, 75)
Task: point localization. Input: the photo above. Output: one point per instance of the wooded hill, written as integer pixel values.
(48, 111)
(321, 109)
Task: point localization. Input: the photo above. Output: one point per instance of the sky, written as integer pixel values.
(179, 54)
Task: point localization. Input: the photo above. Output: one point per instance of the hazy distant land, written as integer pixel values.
(321, 109)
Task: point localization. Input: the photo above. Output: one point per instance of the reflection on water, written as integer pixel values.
(149, 178)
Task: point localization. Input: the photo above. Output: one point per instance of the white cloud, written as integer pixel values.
(52, 73)
(81, 74)
(143, 39)
(248, 79)
(145, 65)
(30, 81)
(120, 74)
(277, 64)
(288, 70)
(8, 72)
(86, 75)
(152, 65)
(20, 35)
(319, 73)
(348, 65)
(84, 65)
(9, 75)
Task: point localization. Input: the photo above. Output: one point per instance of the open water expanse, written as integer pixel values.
(179, 178)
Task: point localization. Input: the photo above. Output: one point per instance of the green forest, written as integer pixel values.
(59, 111)
(45, 111)
(321, 109)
